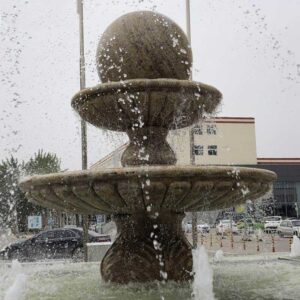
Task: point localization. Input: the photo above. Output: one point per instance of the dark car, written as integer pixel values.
(56, 243)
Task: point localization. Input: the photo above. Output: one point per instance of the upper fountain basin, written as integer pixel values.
(133, 190)
(123, 106)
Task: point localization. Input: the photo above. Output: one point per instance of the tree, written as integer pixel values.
(10, 193)
(42, 163)
(14, 206)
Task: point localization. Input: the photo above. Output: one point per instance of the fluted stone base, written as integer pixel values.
(148, 146)
(149, 247)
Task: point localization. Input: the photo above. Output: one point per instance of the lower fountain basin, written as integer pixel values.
(135, 189)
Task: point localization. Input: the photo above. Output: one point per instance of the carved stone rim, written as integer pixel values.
(100, 105)
(138, 85)
(173, 172)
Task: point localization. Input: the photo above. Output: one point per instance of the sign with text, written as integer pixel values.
(100, 219)
(34, 222)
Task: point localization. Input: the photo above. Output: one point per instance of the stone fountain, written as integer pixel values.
(144, 62)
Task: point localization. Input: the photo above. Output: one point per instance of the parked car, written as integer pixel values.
(203, 227)
(289, 228)
(57, 243)
(226, 226)
(271, 223)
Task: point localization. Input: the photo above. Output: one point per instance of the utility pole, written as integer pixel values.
(188, 22)
(192, 142)
(83, 123)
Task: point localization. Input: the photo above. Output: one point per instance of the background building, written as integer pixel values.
(286, 190)
(217, 141)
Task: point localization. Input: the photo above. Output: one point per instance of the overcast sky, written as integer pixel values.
(249, 50)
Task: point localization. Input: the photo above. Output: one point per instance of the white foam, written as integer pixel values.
(219, 255)
(295, 247)
(17, 290)
(15, 282)
(203, 276)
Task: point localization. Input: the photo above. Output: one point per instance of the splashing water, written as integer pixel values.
(295, 247)
(203, 276)
(17, 290)
(219, 255)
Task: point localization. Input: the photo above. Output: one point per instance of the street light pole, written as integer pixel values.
(82, 82)
(83, 123)
(192, 153)
(188, 21)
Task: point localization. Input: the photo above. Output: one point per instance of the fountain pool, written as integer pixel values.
(235, 277)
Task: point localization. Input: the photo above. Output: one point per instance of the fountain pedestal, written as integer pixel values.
(150, 246)
(148, 145)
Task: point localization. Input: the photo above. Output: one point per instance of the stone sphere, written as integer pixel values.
(146, 45)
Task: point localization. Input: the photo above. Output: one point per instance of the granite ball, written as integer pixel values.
(143, 45)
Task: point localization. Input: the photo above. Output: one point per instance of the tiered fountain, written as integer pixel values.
(144, 62)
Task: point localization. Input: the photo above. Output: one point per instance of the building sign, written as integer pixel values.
(34, 222)
(100, 219)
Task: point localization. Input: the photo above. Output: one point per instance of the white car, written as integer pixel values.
(226, 226)
(272, 223)
(289, 228)
(203, 227)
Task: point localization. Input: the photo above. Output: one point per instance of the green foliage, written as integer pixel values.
(42, 163)
(10, 194)
(14, 206)
(259, 226)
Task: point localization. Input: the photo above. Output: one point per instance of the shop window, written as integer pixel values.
(198, 150)
(211, 129)
(198, 129)
(212, 150)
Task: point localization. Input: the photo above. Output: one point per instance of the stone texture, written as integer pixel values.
(148, 145)
(167, 103)
(143, 44)
(148, 205)
(149, 247)
(132, 190)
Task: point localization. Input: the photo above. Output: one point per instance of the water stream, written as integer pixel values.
(295, 247)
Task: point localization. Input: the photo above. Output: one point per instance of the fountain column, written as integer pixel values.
(149, 247)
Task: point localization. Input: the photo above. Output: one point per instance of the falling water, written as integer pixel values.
(219, 255)
(295, 247)
(203, 276)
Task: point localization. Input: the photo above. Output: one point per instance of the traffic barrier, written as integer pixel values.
(240, 242)
(273, 243)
